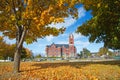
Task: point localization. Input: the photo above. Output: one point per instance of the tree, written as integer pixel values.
(104, 26)
(2, 42)
(28, 20)
(38, 56)
(10, 50)
(105, 51)
(6, 50)
(23, 53)
(79, 55)
(28, 53)
(85, 53)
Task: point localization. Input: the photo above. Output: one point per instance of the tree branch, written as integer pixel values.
(7, 1)
(13, 7)
(22, 38)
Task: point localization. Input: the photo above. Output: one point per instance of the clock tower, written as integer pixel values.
(71, 46)
(71, 39)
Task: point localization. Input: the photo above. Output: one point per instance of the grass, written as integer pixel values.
(109, 70)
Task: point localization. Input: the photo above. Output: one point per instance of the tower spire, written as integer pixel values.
(71, 39)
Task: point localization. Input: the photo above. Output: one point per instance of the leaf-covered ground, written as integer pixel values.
(62, 71)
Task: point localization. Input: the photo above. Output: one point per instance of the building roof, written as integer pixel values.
(59, 45)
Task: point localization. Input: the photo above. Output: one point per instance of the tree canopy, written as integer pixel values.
(34, 15)
(104, 26)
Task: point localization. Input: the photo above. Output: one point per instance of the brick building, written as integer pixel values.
(62, 50)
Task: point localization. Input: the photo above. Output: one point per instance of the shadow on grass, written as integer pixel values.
(72, 64)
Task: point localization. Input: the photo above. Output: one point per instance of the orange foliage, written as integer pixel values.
(62, 71)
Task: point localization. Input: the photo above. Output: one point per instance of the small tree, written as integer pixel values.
(105, 51)
(85, 53)
(38, 56)
(6, 50)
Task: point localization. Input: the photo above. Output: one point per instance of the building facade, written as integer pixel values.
(62, 50)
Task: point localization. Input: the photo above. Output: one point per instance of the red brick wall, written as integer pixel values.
(53, 51)
(56, 52)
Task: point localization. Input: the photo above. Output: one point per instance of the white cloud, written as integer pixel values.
(67, 22)
(63, 35)
(62, 42)
(40, 45)
(9, 41)
(81, 43)
(49, 38)
(81, 12)
(77, 36)
(70, 21)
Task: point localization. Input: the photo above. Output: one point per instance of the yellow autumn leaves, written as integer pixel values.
(63, 71)
(37, 13)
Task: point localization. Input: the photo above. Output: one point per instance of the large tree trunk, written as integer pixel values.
(19, 43)
(17, 57)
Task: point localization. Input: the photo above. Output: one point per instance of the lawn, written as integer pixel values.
(62, 71)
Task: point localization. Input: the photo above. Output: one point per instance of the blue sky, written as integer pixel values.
(71, 25)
